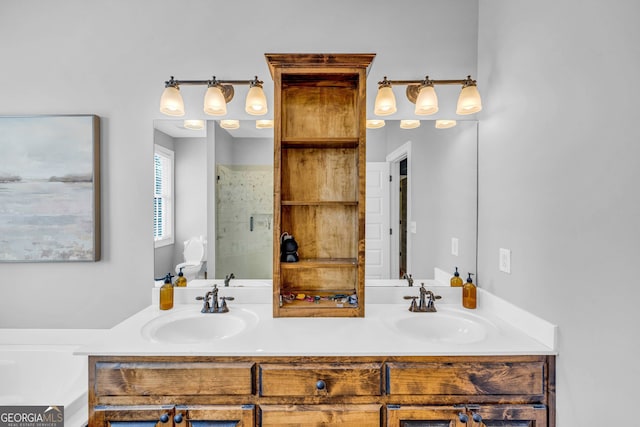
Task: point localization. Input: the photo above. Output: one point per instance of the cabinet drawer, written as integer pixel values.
(349, 379)
(473, 378)
(321, 415)
(173, 379)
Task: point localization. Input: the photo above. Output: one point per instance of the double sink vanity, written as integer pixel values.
(453, 367)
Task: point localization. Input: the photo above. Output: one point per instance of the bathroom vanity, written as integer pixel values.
(454, 367)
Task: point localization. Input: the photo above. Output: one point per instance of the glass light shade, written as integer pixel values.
(264, 124)
(409, 124)
(256, 103)
(230, 124)
(194, 124)
(445, 124)
(385, 102)
(469, 101)
(171, 102)
(427, 102)
(214, 103)
(375, 124)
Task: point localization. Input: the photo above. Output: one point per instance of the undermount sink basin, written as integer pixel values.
(445, 326)
(189, 326)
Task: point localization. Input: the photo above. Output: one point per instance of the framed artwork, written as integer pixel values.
(50, 188)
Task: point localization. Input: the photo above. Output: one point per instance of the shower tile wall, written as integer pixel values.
(244, 246)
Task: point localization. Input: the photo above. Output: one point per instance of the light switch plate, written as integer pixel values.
(413, 227)
(505, 260)
(454, 246)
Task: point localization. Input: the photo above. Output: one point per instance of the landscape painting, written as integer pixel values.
(49, 188)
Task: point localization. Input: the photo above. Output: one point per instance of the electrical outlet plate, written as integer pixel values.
(505, 260)
(454, 246)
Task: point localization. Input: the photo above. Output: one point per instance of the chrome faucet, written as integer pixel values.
(228, 278)
(409, 279)
(214, 306)
(427, 301)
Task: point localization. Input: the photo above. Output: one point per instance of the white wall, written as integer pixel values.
(111, 58)
(559, 175)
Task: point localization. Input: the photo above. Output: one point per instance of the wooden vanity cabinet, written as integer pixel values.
(411, 391)
(319, 182)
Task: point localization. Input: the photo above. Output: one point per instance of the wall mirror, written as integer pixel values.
(422, 219)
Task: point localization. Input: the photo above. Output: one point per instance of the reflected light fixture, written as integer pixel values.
(264, 124)
(375, 124)
(219, 94)
(409, 124)
(230, 124)
(194, 124)
(445, 124)
(423, 94)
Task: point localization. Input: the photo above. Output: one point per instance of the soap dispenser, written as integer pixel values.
(181, 281)
(166, 293)
(456, 280)
(469, 294)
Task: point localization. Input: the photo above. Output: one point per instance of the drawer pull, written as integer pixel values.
(463, 417)
(321, 385)
(164, 418)
(476, 417)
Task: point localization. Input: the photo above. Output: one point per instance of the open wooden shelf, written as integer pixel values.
(319, 181)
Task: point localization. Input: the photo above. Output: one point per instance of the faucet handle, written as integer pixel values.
(224, 308)
(414, 305)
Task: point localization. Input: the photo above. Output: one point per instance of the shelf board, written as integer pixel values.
(318, 203)
(321, 262)
(329, 142)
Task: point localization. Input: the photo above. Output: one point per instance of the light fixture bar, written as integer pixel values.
(171, 102)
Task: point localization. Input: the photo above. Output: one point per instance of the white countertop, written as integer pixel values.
(508, 330)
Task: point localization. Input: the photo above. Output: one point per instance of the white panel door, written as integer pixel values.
(377, 222)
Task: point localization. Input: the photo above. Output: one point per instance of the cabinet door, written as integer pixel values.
(321, 415)
(132, 416)
(424, 416)
(215, 416)
(508, 415)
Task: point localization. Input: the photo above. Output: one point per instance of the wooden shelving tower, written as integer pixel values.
(319, 182)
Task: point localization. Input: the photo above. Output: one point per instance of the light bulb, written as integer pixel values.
(427, 102)
(194, 124)
(264, 124)
(385, 102)
(256, 103)
(445, 124)
(230, 124)
(214, 102)
(171, 102)
(409, 124)
(469, 101)
(375, 124)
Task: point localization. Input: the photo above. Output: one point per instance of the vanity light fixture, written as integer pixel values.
(423, 94)
(219, 94)
(375, 124)
(445, 124)
(194, 124)
(409, 124)
(230, 124)
(264, 124)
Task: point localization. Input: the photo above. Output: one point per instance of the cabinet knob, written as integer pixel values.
(164, 418)
(178, 418)
(476, 417)
(321, 385)
(463, 417)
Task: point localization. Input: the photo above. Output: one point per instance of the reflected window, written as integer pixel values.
(163, 196)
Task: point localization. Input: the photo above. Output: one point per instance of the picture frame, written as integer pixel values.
(50, 188)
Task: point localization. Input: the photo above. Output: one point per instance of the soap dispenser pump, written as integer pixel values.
(469, 299)
(166, 293)
(181, 281)
(456, 280)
